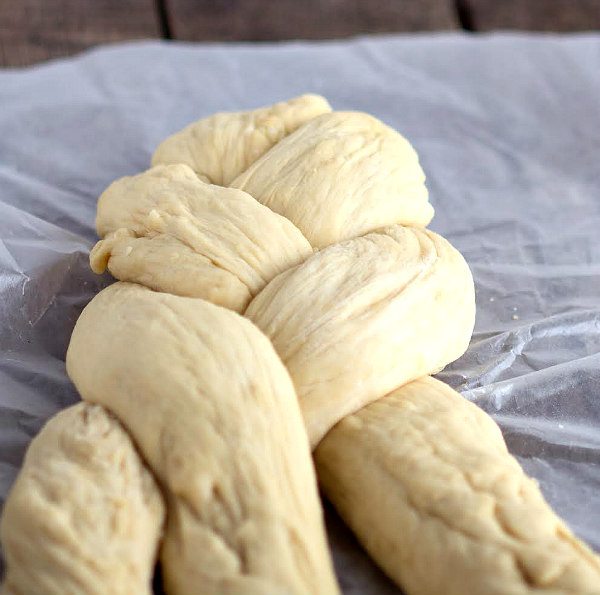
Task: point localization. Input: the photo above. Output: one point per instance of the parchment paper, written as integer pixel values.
(507, 128)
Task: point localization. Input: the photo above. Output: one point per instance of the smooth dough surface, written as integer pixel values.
(339, 176)
(170, 231)
(214, 412)
(84, 516)
(424, 479)
(362, 317)
(222, 146)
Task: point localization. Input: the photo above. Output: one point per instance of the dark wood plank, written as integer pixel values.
(533, 15)
(34, 30)
(261, 20)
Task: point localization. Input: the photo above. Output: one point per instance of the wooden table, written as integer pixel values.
(35, 30)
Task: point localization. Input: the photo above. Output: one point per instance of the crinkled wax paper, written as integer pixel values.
(507, 128)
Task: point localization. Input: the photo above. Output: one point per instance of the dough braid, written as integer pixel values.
(312, 225)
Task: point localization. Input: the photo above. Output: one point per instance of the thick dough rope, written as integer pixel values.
(84, 516)
(360, 318)
(382, 303)
(453, 512)
(221, 244)
(215, 415)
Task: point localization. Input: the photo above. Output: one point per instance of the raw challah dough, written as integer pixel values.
(84, 516)
(424, 479)
(222, 146)
(362, 317)
(172, 232)
(339, 176)
(422, 476)
(216, 418)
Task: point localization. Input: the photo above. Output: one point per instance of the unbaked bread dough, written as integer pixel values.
(170, 231)
(424, 479)
(84, 516)
(341, 175)
(222, 146)
(422, 476)
(364, 316)
(215, 415)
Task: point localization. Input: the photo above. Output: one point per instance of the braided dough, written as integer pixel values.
(84, 515)
(339, 175)
(319, 240)
(216, 418)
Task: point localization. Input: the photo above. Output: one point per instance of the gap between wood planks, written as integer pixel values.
(163, 19)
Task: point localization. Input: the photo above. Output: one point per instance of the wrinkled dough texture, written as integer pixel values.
(84, 516)
(424, 479)
(222, 146)
(170, 231)
(215, 415)
(362, 317)
(341, 175)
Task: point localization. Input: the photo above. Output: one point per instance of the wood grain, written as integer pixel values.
(259, 20)
(533, 15)
(35, 30)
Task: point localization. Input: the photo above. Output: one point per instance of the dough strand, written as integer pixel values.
(84, 515)
(424, 479)
(216, 417)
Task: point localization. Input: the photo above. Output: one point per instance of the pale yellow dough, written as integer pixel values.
(424, 479)
(170, 231)
(339, 176)
(421, 475)
(84, 516)
(362, 317)
(214, 413)
(222, 146)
